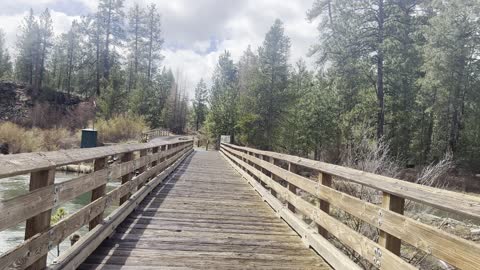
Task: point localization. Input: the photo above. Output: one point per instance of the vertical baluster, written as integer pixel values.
(98, 164)
(40, 222)
(125, 158)
(395, 204)
(324, 180)
(292, 188)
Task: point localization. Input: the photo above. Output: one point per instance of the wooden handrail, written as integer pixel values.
(45, 194)
(11, 165)
(154, 133)
(388, 218)
(450, 201)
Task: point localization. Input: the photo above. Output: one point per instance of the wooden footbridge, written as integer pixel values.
(237, 208)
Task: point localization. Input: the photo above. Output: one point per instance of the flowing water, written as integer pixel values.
(18, 185)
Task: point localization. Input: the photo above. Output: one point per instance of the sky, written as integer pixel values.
(196, 32)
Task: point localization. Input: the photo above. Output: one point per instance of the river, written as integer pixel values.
(18, 185)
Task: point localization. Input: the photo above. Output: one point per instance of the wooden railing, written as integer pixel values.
(275, 176)
(155, 133)
(141, 167)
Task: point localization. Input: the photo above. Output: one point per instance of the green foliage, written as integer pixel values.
(200, 104)
(223, 115)
(5, 62)
(60, 214)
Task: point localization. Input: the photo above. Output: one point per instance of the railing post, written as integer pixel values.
(264, 171)
(154, 152)
(40, 222)
(292, 188)
(143, 153)
(98, 164)
(164, 148)
(125, 158)
(394, 204)
(324, 180)
(273, 176)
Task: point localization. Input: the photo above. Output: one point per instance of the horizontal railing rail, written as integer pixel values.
(155, 133)
(140, 167)
(267, 170)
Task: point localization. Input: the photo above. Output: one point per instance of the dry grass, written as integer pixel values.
(120, 128)
(21, 140)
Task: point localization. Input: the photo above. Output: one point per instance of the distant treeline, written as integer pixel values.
(405, 72)
(110, 55)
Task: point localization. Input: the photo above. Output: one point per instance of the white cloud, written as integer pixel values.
(11, 25)
(190, 28)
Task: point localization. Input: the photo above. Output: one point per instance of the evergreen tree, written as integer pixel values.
(5, 63)
(272, 94)
(154, 40)
(44, 37)
(137, 36)
(110, 18)
(200, 104)
(223, 116)
(26, 61)
(451, 74)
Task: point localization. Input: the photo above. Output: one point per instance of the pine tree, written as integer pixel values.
(272, 92)
(137, 36)
(27, 49)
(111, 22)
(44, 43)
(223, 115)
(5, 63)
(154, 40)
(452, 72)
(200, 103)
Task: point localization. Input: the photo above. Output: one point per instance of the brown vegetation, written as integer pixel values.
(20, 140)
(120, 128)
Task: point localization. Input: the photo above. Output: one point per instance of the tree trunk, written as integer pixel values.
(106, 60)
(380, 91)
(150, 49)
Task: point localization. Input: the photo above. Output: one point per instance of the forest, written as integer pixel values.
(112, 57)
(403, 73)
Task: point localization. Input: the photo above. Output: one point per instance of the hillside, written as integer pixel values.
(48, 108)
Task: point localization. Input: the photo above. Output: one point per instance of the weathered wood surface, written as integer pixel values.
(206, 217)
(30, 162)
(39, 244)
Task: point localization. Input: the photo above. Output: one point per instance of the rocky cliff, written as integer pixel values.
(18, 105)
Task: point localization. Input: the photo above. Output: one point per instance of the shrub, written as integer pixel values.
(57, 138)
(120, 128)
(19, 139)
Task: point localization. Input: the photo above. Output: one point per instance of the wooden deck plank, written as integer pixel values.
(205, 216)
